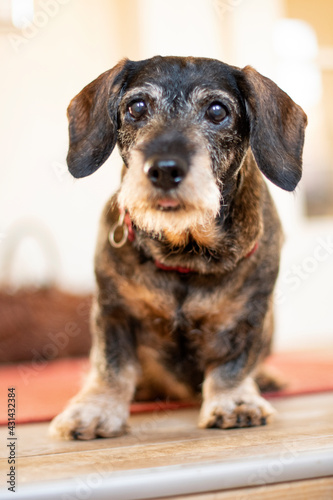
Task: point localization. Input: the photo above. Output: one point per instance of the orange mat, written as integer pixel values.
(42, 389)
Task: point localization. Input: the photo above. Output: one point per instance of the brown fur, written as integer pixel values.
(170, 333)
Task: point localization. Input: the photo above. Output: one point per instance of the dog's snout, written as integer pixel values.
(166, 173)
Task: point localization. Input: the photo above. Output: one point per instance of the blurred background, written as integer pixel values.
(50, 49)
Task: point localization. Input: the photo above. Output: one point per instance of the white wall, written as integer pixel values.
(42, 71)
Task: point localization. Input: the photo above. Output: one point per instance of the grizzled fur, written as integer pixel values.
(158, 332)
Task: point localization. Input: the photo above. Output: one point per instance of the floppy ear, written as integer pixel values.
(277, 126)
(92, 116)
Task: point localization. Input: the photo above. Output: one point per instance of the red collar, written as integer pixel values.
(160, 265)
(251, 252)
(182, 270)
(129, 224)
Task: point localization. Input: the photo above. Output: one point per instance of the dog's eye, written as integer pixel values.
(137, 109)
(216, 112)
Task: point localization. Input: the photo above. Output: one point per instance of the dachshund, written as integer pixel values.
(188, 248)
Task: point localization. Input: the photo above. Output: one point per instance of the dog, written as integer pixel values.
(188, 248)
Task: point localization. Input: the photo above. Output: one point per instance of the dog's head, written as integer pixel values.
(184, 126)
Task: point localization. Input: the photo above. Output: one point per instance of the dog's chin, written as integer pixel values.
(192, 210)
(174, 222)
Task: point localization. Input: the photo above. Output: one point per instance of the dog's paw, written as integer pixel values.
(241, 406)
(90, 417)
(227, 411)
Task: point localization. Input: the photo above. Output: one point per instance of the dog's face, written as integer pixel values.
(184, 126)
(183, 131)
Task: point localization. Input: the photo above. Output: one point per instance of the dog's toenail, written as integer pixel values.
(76, 435)
(218, 422)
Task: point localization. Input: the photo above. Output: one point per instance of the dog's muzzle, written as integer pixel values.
(166, 173)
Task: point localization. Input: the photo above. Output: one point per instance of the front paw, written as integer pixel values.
(241, 407)
(90, 417)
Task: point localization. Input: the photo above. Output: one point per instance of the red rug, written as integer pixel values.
(43, 389)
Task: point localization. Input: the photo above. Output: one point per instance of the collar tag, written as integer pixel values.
(124, 224)
(121, 225)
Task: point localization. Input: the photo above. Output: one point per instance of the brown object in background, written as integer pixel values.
(43, 324)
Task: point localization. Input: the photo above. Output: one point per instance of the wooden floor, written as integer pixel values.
(166, 455)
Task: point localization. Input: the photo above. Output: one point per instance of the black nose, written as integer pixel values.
(166, 173)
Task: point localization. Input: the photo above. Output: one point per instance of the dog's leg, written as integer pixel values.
(226, 406)
(231, 397)
(101, 408)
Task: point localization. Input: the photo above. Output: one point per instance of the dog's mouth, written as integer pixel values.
(168, 205)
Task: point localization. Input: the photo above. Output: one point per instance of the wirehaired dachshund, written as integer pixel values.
(188, 248)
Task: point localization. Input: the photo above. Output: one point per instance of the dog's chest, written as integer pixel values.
(170, 307)
(183, 322)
